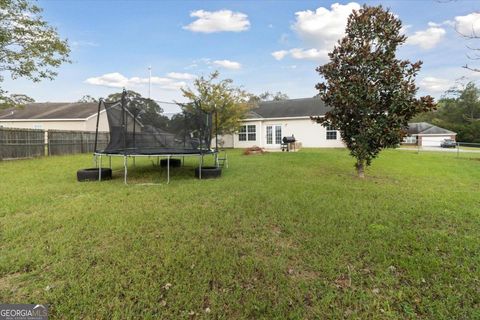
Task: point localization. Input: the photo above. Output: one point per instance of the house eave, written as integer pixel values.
(282, 118)
(42, 120)
(433, 134)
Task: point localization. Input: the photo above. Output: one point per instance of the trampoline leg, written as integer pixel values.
(100, 170)
(168, 169)
(95, 161)
(200, 171)
(125, 164)
(110, 162)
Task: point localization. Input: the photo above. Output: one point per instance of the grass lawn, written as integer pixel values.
(280, 235)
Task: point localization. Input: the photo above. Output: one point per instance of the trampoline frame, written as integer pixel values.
(98, 155)
(98, 161)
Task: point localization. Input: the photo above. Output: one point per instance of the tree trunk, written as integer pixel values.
(361, 168)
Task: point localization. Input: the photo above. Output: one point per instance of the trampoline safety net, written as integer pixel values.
(139, 127)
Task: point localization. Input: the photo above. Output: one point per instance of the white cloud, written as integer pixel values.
(309, 54)
(227, 64)
(323, 27)
(427, 39)
(279, 55)
(117, 80)
(218, 21)
(181, 76)
(320, 30)
(300, 54)
(468, 25)
(434, 84)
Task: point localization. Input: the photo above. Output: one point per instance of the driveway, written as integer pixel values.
(439, 149)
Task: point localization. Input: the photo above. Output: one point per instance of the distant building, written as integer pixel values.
(58, 115)
(425, 134)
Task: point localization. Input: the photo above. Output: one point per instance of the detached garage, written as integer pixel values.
(427, 135)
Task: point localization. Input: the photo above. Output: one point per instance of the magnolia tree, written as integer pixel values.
(229, 102)
(372, 93)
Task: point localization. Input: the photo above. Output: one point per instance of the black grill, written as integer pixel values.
(289, 139)
(288, 143)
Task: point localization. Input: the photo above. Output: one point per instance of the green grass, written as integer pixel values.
(280, 235)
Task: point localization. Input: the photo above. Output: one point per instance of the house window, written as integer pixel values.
(278, 134)
(251, 133)
(331, 133)
(247, 133)
(269, 135)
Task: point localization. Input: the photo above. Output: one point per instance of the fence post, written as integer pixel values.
(1, 143)
(81, 143)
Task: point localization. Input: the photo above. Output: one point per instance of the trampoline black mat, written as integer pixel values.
(155, 152)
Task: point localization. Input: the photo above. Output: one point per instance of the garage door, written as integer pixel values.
(433, 141)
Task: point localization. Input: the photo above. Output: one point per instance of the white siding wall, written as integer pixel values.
(309, 133)
(91, 123)
(45, 125)
(77, 125)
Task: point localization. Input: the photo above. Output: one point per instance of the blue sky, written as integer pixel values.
(261, 45)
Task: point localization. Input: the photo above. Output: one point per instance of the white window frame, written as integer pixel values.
(246, 131)
(275, 130)
(329, 131)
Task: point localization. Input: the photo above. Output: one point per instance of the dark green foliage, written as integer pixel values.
(221, 96)
(371, 91)
(15, 100)
(87, 99)
(29, 47)
(459, 113)
(146, 110)
(268, 96)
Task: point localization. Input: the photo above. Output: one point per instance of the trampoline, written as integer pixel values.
(139, 128)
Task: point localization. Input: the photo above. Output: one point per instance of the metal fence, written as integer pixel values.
(28, 143)
(458, 148)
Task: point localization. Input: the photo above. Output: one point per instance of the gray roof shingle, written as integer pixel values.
(289, 108)
(426, 128)
(51, 110)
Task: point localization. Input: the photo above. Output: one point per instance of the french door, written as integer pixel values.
(274, 135)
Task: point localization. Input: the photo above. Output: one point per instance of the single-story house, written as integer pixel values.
(266, 125)
(58, 116)
(427, 135)
(269, 122)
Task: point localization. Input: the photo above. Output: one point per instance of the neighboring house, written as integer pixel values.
(427, 135)
(267, 124)
(59, 116)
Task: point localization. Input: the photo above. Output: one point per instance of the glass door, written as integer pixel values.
(274, 135)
